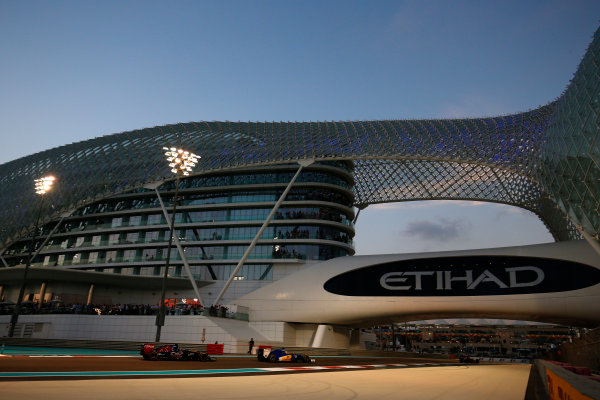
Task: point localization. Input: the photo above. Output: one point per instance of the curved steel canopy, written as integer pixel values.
(546, 160)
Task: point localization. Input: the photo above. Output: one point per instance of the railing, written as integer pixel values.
(269, 236)
(175, 257)
(232, 312)
(283, 215)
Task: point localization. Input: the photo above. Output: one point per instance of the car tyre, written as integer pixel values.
(272, 358)
(153, 356)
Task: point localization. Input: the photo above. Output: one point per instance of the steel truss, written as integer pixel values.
(545, 160)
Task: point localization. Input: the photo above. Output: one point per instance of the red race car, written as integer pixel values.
(152, 352)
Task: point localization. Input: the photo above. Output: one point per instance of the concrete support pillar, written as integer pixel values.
(319, 335)
(90, 295)
(42, 294)
(1, 292)
(354, 339)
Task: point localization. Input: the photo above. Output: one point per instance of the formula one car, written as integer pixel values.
(280, 355)
(152, 352)
(466, 359)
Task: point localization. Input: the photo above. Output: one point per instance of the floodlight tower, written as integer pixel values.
(42, 186)
(181, 163)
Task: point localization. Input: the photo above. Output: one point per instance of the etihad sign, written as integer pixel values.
(465, 276)
(443, 280)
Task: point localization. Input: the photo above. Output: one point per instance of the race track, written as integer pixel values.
(90, 366)
(117, 376)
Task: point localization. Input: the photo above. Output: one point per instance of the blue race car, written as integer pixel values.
(280, 355)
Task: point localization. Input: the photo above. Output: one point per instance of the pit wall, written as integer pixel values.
(233, 334)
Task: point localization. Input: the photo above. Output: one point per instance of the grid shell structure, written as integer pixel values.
(545, 160)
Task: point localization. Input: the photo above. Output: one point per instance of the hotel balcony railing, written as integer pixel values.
(105, 243)
(152, 260)
(217, 218)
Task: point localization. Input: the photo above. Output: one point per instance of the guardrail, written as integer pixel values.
(549, 380)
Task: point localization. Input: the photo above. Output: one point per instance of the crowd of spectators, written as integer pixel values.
(301, 214)
(115, 309)
(282, 252)
(305, 234)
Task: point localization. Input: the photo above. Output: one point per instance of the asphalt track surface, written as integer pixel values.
(24, 367)
(242, 377)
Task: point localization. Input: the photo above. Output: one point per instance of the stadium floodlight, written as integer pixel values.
(42, 186)
(181, 163)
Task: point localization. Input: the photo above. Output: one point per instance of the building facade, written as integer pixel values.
(217, 217)
(489, 340)
(103, 224)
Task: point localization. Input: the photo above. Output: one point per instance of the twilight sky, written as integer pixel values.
(73, 70)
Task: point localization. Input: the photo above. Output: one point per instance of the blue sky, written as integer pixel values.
(73, 70)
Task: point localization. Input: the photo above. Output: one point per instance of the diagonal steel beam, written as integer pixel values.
(595, 244)
(47, 238)
(188, 271)
(303, 163)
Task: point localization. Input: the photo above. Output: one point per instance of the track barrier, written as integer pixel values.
(552, 380)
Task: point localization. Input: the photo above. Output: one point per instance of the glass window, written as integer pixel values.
(207, 216)
(111, 256)
(129, 255)
(113, 238)
(96, 240)
(93, 257)
(149, 254)
(203, 253)
(206, 234)
(116, 222)
(151, 236)
(154, 219)
(247, 272)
